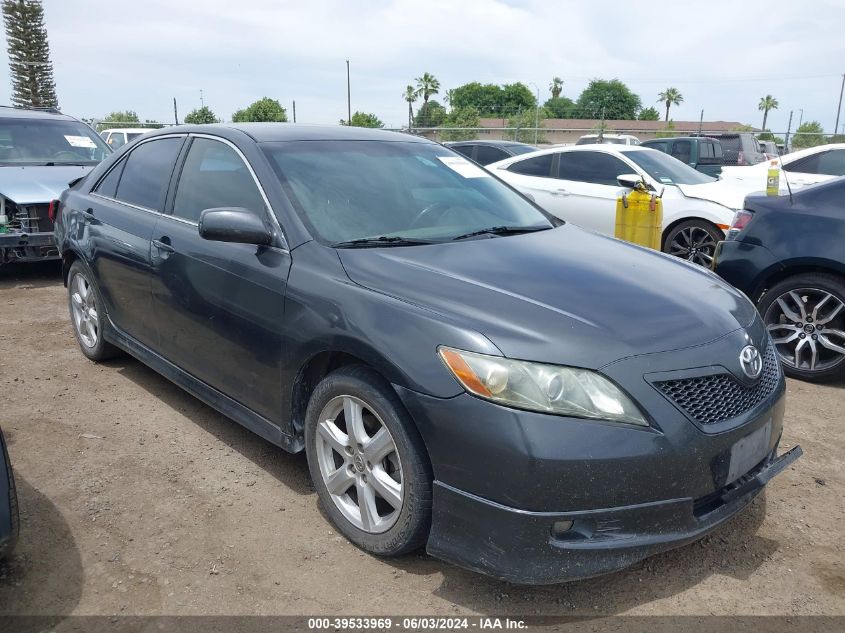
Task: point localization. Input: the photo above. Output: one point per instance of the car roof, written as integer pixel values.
(607, 148)
(609, 136)
(272, 132)
(9, 112)
(491, 143)
(680, 138)
(140, 130)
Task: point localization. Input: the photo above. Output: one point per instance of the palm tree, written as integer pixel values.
(427, 85)
(670, 96)
(410, 95)
(449, 95)
(767, 103)
(556, 87)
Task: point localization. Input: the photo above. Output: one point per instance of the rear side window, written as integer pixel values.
(108, 185)
(593, 167)
(116, 140)
(832, 163)
(466, 150)
(682, 150)
(731, 143)
(536, 166)
(146, 175)
(214, 176)
(487, 154)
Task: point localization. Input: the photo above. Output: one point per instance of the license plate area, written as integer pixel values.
(749, 451)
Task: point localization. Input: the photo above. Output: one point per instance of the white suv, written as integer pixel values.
(610, 139)
(121, 136)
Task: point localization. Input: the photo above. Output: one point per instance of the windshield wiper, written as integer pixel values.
(382, 240)
(502, 230)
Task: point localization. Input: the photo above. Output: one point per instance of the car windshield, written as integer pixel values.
(667, 170)
(359, 190)
(49, 142)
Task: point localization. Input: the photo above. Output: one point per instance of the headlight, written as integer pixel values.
(579, 393)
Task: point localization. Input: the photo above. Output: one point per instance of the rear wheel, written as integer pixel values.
(86, 314)
(368, 462)
(693, 240)
(805, 316)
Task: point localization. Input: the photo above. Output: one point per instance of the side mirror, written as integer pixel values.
(234, 224)
(629, 180)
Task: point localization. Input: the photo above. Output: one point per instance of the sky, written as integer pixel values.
(722, 55)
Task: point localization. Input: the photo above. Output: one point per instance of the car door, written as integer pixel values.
(587, 188)
(124, 207)
(533, 177)
(219, 305)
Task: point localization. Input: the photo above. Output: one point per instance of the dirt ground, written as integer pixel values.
(138, 499)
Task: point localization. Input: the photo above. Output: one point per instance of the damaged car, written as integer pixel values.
(41, 152)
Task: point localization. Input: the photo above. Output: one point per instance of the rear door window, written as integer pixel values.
(146, 175)
(466, 150)
(536, 166)
(593, 167)
(487, 154)
(832, 163)
(682, 150)
(108, 185)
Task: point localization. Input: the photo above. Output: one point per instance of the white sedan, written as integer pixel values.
(801, 168)
(581, 184)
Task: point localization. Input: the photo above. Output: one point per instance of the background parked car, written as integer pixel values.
(804, 167)
(41, 151)
(769, 148)
(486, 152)
(740, 148)
(610, 139)
(580, 184)
(9, 520)
(699, 152)
(786, 253)
(118, 137)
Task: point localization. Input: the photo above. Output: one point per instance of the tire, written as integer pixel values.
(693, 240)
(87, 316)
(820, 314)
(335, 455)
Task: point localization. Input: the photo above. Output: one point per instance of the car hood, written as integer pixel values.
(564, 296)
(38, 184)
(729, 193)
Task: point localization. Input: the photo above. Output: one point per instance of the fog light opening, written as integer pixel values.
(560, 528)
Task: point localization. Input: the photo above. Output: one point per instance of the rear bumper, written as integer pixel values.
(744, 266)
(524, 547)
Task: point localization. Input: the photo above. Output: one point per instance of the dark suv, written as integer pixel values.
(699, 152)
(41, 152)
(740, 148)
(486, 152)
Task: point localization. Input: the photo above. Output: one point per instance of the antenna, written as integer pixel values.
(785, 178)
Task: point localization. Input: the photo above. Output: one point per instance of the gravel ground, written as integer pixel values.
(138, 499)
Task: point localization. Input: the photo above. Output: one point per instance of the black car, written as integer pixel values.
(9, 520)
(739, 148)
(786, 253)
(486, 152)
(464, 371)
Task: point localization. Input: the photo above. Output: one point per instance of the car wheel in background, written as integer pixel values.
(693, 240)
(368, 463)
(86, 314)
(805, 316)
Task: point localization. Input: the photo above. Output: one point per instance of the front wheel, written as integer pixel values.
(805, 316)
(368, 462)
(693, 240)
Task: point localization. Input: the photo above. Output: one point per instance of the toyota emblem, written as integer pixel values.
(751, 362)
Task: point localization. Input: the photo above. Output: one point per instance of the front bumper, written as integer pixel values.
(524, 547)
(25, 247)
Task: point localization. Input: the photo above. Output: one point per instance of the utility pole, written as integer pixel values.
(700, 121)
(839, 107)
(202, 101)
(294, 110)
(175, 113)
(788, 130)
(536, 112)
(348, 97)
(800, 116)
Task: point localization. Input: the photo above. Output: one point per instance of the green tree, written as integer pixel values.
(201, 115)
(120, 118)
(410, 95)
(516, 97)
(485, 99)
(668, 131)
(29, 55)
(808, 134)
(524, 124)
(560, 108)
(460, 118)
(742, 127)
(649, 114)
(364, 119)
(265, 109)
(670, 97)
(609, 99)
(767, 103)
(427, 85)
(430, 114)
(556, 87)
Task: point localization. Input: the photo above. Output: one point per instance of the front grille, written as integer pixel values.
(719, 397)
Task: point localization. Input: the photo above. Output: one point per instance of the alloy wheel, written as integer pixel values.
(807, 326)
(359, 464)
(695, 244)
(86, 318)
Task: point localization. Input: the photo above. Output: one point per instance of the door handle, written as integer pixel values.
(163, 244)
(88, 214)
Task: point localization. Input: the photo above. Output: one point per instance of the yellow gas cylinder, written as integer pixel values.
(639, 218)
